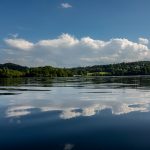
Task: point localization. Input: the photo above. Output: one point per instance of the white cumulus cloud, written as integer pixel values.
(64, 40)
(19, 43)
(143, 41)
(68, 51)
(66, 5)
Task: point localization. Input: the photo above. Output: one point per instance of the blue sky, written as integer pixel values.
(102, 20)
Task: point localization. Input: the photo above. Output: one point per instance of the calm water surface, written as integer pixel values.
(99, 113)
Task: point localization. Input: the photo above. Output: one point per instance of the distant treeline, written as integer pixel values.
(133, 68)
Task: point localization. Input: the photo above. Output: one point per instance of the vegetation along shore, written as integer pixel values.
(120, 69)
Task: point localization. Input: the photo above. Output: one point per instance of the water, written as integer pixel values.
(99, 113)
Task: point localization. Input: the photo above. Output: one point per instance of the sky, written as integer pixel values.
(70, 33)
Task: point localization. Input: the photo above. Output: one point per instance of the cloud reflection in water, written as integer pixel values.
(17, 111)
(74, 102)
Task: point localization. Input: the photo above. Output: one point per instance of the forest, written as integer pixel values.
(121, 69)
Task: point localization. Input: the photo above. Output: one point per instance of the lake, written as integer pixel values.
(93, 113)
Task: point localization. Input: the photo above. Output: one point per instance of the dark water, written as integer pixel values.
(101, 113)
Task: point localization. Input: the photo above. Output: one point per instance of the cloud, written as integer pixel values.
(69, 51)
(19, 44)
(66, 5)
(143, 41)
(64, 40)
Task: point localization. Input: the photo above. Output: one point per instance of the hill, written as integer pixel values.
(13, 67)
(120, 69)
(131, 68)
